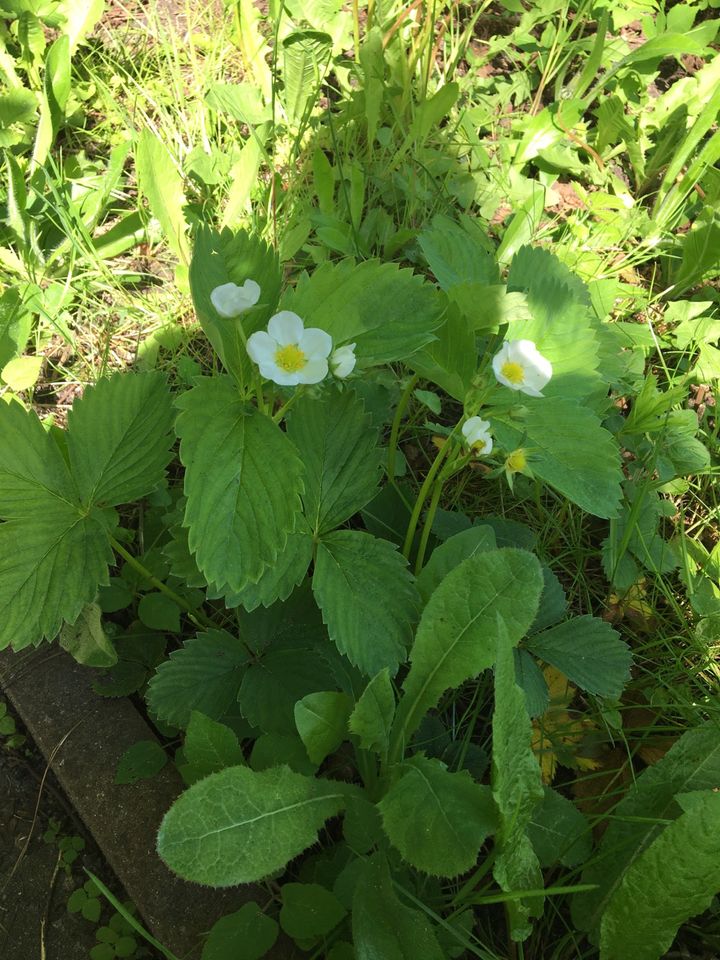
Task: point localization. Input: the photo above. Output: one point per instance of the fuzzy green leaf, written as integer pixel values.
(384, 928)
(204, 674)
(372, 717)
(355, 304)
(570, 450)
(120, 438)
(339, 449)
(692, 764)
(438, 820)
(242, 482)
(321, 720)
(517, 789)
(588, 651)
(457, 635)
(238, 826)
(367, 597)
(674, 879)
(53, 552)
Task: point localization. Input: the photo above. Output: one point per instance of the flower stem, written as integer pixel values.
(395, 429)
(197, 616)
(423, 495)
(277, 417)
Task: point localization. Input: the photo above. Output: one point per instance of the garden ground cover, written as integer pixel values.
(448, 140)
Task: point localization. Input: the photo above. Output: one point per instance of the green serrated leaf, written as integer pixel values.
(367, 598)
(588, 651)
(674, 879)
(438, 820)
(517, 789)
(247, 934)
(558, 831)
(351, 303)
(210, 746)
(141, 761)
(450, 554)
(321, 720)
(240, 508)
(339, 449)
(309, 910)
(120, 437)
(458, 253)
(204, 675)
(457, 635)
(238, 826)
(86, 641)
(372, 717)
(53, 552)
(383, 926)
(570, 450)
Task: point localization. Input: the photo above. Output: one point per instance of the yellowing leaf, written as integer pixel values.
(559, 732)
(22, 372)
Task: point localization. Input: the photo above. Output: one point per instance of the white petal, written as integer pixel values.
(313, 372)
(529, 390)
(271, 371)
(315, 343)
(343, 360)
(252, 291)
(499, 359)
(286, 327)
(261, 347)
(230, 300)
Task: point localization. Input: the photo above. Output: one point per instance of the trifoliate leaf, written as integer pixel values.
(438, 820)
(570, 450)
(242, 482)
(245, 935)
(210, 746)
(140, 762)
(372, 717)
(120, 437)
(367, 598)
(674, 879)
(288, 670)
(517, 789)
(53, 551)
(280, 579)
(309, 910)
(458, 252)
(339, 449)
(457, 635)
(353, 302)
(588, 651)
(558, 831)
(321, 720)
(238, 826)
(204, 674)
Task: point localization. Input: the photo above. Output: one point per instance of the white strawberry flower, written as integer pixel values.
(477, 435)
(519, 365)
(343, 360)
(289, 354)
(230, 300)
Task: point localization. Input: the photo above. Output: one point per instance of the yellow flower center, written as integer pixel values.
(290, 358)
(513, 372)
(479, 446)
(516, 461)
